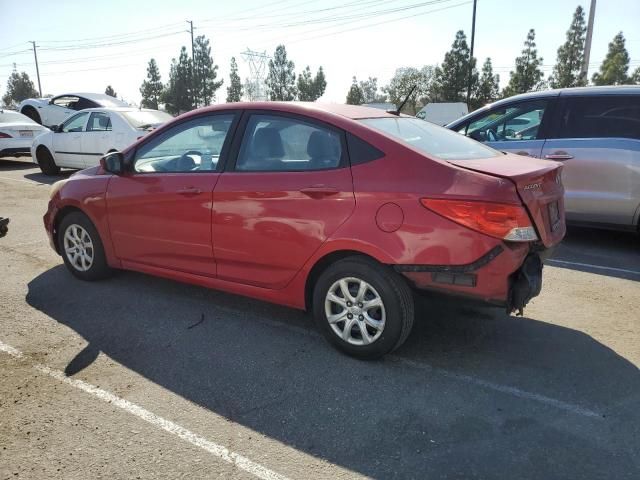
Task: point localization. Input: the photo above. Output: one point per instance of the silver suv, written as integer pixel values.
(594, 131)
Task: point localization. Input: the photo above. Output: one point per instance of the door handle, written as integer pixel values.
(187, 191)
(317, 191)
(558, 156)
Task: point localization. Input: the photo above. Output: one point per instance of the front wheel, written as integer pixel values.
(81, 247)
(46, 162)
(363, 308)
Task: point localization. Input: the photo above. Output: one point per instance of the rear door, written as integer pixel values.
(598, 140)
(96, 138)
(160, 213)
(288, 191)
(67, 142)
(517, 127)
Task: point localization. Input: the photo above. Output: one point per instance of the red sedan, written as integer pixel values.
(337, 209)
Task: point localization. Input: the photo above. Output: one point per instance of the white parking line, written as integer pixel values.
(595, 267)
(215, 449)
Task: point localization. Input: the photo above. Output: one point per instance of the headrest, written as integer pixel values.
(267, 143)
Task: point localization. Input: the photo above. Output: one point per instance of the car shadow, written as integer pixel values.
(464, 398)
(15, 164)
(602, 252)
(49, 179)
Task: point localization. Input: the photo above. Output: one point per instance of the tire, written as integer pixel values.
(46, 162)
(32, 113)
(386, 325)
(81, 248)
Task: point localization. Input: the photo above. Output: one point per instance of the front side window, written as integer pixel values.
(75, 123)
(601, 117)
(431, 139)
(277, 143)
(520, 121)
(192, 146)
(99, 122)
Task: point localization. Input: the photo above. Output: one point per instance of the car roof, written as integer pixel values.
(582, 91)
(353, 112)
(96, 97)
(119, 109)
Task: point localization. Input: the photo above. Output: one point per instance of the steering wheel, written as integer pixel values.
(186, 160)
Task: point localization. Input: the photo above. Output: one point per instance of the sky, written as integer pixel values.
(85, 46)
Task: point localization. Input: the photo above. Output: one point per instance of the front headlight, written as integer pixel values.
(55, 188)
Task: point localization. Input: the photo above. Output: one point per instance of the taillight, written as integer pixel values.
(5, 135)
(500, 220)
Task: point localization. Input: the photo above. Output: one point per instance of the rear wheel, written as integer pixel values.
(81, 247)
(32, 113)
(46, 162)
(363, 308)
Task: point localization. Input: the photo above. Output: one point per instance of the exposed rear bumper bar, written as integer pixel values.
(466, 268)
(525, 284)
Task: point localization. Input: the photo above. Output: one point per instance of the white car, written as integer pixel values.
(17, 133)
(83, 138)
(53, 111)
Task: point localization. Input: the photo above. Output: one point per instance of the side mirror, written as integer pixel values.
(113, 163)
(55, 128)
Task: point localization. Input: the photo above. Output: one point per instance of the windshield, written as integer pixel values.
(7, 116)
(145, 119)
(431, 139)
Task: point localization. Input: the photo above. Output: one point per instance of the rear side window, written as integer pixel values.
(277, 143)
(99, 122)
(600, 117)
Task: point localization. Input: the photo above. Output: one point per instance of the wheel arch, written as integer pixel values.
(31, 108)
(63, 212)
(321, 264)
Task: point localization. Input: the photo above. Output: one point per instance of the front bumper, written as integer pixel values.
(49, 223)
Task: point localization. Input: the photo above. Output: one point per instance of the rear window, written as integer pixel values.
(146, 119)
(431, 139)
(7, 116)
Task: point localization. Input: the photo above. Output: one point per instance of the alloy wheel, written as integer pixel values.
(78, 247)
(355, 311)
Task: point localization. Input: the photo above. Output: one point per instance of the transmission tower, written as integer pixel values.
(257, 74)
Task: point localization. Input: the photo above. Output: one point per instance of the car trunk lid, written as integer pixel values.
(538, 185)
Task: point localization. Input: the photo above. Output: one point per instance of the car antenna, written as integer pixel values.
(397, 112)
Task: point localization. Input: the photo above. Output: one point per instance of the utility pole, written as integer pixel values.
(193, 68)
(473, 38)
(587, 43)
(35, 55)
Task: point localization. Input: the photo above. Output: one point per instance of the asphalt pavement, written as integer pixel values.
(140, 377)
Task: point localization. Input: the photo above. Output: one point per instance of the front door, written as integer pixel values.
(160, 211)
(67, 142)
(514, 128)
(290, 189)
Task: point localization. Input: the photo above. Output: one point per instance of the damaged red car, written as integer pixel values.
(340, 210)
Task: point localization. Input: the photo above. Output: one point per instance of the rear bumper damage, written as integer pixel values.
(508, 275)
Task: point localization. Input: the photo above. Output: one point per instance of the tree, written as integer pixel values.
(311, 88)
(527, 75)
(404, 80)
(567, 71)
(151, 89)
(250, 90)
(370, 91)
(613, 70)
(452, 77)
(281, 81)
(234, 90)
(488, 87)
(635, 78)
(355, 95)
(110, 91)
(177, 96)
(19, 87)
(204, 72)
